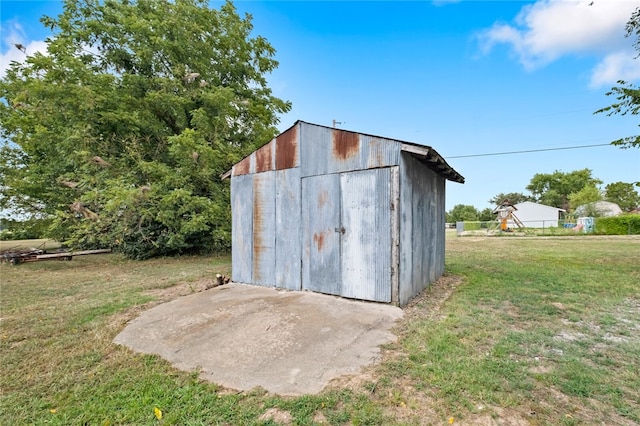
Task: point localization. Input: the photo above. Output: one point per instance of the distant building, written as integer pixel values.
(599, 209)
(534, 215)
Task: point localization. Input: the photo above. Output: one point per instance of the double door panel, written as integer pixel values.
(347, 219)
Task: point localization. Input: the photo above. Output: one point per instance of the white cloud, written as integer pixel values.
(549, 29)
(13, 34)
(616, 66)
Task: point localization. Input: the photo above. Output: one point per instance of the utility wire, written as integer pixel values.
(530, 150)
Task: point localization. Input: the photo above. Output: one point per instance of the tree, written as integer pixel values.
(121, 132)
(553, 189)
(627, 94)
(461, 213)
(623, 194)
(586, 195)
(486, 215)
(513, 197)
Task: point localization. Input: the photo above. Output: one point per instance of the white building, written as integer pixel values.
(599, 208)
(534, 215)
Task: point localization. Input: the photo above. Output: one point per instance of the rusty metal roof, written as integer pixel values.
(433, 160)
(345, 141)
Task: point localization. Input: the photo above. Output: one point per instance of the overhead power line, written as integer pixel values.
(529, 150)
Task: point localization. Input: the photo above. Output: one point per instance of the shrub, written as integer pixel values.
(619, 225)
(23, 230)
(472, 226)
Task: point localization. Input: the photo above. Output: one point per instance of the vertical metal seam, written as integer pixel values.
(395, 235)
(300, 129)
(253, 228)
(340, 235)
(275, 227)
(300, 231)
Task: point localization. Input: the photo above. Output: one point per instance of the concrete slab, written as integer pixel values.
(241, 336)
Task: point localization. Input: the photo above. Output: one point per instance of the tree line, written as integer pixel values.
(558, 189)
(117, 136)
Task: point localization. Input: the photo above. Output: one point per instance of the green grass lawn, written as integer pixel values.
(42, 244)
(529, 331)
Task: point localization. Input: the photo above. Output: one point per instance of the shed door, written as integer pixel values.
(320, 241)
(347, 234)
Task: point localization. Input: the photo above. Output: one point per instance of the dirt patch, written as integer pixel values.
(568, 336)
(495, 416)
(408, 405)
(320, 418)
(181, 289)
(276, 415)
(428, 304)
(541, 369)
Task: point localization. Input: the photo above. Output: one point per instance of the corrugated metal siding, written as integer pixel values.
(288, 223)
(244, 167)
(421, 228)
(332, 194)
(439, 231)
(242, 228)
(395, 233)
(264, 157)
(378, 152)
(264, 238)
(287, 152)
(320, 241)
(314, 150)
(421, 246)
(325, 151)
(366, 242)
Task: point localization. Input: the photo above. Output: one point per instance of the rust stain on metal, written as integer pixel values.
(287, 149)
(318, 238)
(322, 199)
(345, 144)
(242, 168)
(264, 160)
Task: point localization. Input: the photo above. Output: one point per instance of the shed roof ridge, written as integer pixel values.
(424, 153)
(361, 133)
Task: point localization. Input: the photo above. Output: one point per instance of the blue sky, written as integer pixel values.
(465, 77)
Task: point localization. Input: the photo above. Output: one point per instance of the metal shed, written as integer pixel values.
(340, 212)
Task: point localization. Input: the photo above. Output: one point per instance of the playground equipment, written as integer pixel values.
(585, 224)
(506, 215)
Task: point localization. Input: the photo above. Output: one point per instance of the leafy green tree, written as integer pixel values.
(513, 197)
(486, 215)
(462, 212)
(586, 195)
(623, 194)
(22, 230)
(121, 132)
(553, 189)
(627, 94)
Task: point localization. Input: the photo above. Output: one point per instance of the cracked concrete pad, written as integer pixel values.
(241, 336)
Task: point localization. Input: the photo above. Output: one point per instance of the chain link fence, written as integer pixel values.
(540, 227)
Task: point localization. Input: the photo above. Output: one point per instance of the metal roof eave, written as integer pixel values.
(226, 174)
(433, 160)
